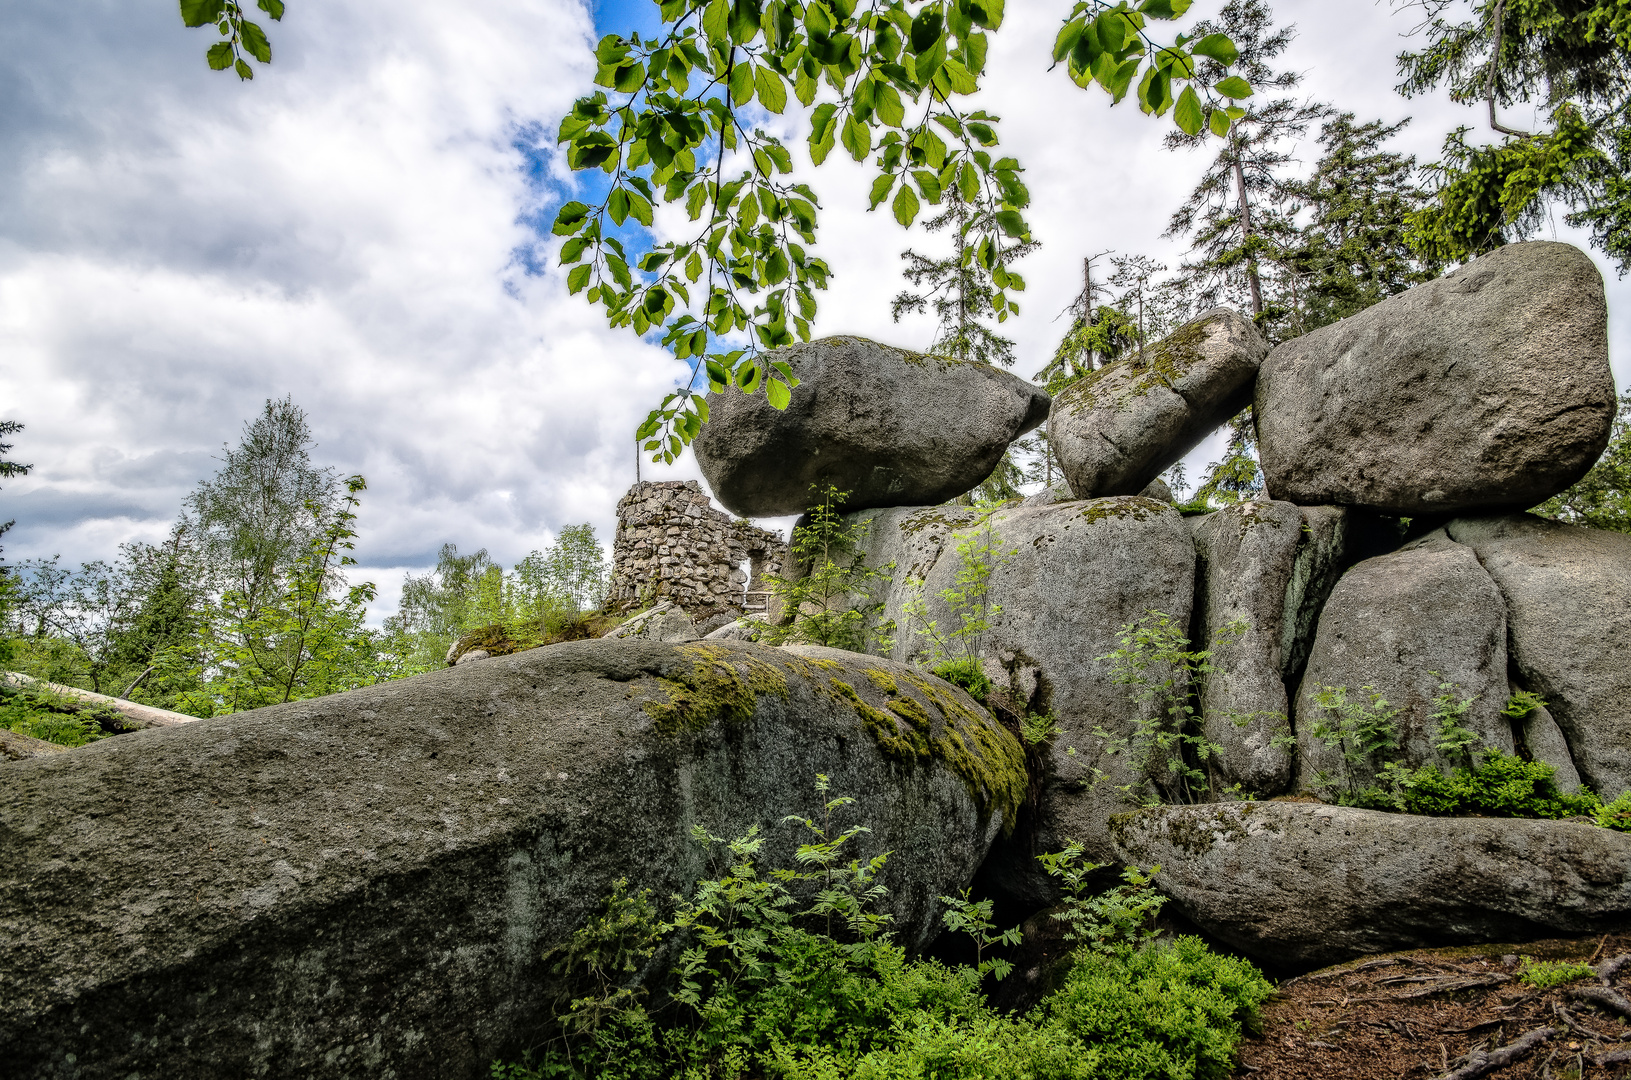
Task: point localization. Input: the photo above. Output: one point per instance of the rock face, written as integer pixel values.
(1266, 569)
(891, 427)
(1305, 884)
(1489, 387)
(363, 884)
(1404, 624)
(665, 622)
(1568, 609)
(1067, 578)
(1120, 427)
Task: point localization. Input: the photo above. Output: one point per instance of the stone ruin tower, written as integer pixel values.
(673, 545)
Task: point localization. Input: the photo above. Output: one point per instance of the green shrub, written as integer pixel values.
(56, 718)
(1615, 815)
(1545, 974)
(966, 673)
(765, 987)
(1502, 785)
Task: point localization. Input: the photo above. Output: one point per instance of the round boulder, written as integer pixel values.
(1489, 387)
(889, 426)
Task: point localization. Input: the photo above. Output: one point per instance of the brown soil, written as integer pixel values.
(1420, 1015)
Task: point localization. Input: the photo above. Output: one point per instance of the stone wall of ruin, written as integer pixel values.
(672, 544)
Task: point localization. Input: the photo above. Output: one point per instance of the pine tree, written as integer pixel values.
(1239, 219)
(963, 294)
(1355, 250)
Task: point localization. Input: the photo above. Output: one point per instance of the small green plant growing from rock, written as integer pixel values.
(850, 890)
(1160, 671)
(1615, 815)
(1358, 730)
(1450, 705)
(973, 917)
(955, 653)
(1037, 728)
(1124, 915)
(1545, 974)
(832, 603)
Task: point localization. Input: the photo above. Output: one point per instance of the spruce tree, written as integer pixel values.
(962, 292)
(1239, 219)
(1355, 249)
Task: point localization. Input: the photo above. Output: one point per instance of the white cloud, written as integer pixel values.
(351, 228)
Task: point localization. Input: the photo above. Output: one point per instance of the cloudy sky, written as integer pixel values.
(358, 228)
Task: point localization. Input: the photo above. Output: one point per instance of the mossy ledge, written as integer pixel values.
(1162, 364)
(725, 683)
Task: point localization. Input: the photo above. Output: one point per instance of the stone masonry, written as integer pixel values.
(672, 544)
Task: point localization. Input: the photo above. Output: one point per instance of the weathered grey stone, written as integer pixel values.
(472, 655)
(1067, 578)
(1307, 884)
(1568, 605)
(1264, 566)
(665, 622)
(1489, 387)
(744, 629)
(1404, 624)
(1123, 425)
(364, 884)
(1158, 490)
(1539, 736)
(891, 427)
(15, 747)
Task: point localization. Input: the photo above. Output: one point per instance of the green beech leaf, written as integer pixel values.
(1218, 47)
(255, 42)
(1234, 87)
(1188, 115)
(906, 205)
(1010, 222)
(716, 21)
(1219, 123)
(890, 108)
(197, 13)
(618, 205)
(778, 394)
(1069, 35)
(772, 91)
(881, 187)
(926, 30)
(219, 56)
(578, 278)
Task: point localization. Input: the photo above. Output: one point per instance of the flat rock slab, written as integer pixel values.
(1118, 428)
(889, 426)
(1305, 884)
(1487, 388)
(364, 884)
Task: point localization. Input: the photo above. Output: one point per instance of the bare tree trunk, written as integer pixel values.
(1246, 233)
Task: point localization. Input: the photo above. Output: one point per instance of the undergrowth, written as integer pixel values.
(53, 717)
(1545, 974)
(793, 974)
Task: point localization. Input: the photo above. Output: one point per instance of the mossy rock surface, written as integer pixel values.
(411, 850)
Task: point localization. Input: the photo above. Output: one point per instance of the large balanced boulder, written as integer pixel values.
(1402, 626)
(1568, 608)
(1065, 579)
(888, 426)
(1118, 428)
(1304, 884)
(365, 884)
(1266, 569)
(1489, 387)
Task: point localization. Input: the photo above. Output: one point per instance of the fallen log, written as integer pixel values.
(135, 716)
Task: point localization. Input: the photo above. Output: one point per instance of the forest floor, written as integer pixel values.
(1439, 1013)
